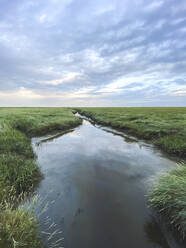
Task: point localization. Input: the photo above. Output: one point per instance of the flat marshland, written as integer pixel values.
(18, 169)
(19, 172)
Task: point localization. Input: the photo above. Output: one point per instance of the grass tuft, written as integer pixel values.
(18, 228)
(169, 198)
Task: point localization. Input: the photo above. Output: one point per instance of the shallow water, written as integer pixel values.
(97, 181)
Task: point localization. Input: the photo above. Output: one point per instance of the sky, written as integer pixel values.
(93, 53)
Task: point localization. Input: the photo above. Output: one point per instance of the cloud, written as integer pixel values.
(21, 93)
(68, 78)
(180, 93)
(71, 51)
(154, 5)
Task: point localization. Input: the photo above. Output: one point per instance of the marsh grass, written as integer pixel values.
(165, 127)
(169, 198)
(19, 171)
(40, 121)
(19, 226)
(13, 141)
(173, 144)
(17, 165)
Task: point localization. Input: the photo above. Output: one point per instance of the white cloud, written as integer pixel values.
(104, 9)
(42, 18)
(179, 93)
(84, 90)
(118, 85)
(177, 21)
(21, 93)
(27, 94)
(153, 6)
(69, 77)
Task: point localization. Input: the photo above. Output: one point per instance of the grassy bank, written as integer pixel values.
(169, 198)
(165, 127)
(18, 170)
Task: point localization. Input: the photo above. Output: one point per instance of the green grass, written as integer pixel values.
(39, 121)
(169, 198)
(18, 172)
(18, 229)
(15, 142)
(18, 169)
(165, 127)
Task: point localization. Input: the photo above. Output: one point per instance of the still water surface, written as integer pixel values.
(96, 181)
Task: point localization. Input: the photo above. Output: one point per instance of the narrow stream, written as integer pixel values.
(96, 182)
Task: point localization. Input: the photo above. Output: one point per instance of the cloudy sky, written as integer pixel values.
(93, 53)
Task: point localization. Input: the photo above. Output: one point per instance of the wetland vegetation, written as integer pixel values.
(168, 197)
(164, 127)
(18, 169)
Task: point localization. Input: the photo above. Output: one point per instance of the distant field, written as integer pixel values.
(18, 169)
(165, 127)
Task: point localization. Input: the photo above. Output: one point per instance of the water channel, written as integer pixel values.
(96, 181)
